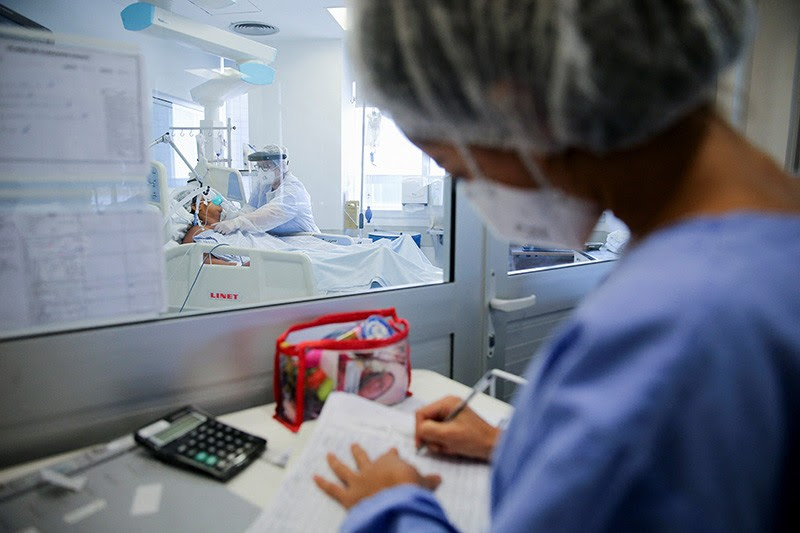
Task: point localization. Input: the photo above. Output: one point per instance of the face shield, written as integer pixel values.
(271, 163)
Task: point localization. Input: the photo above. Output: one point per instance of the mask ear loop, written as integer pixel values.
(277, 173)
(560, 197)
(535, 172)
(283, 167)
(538, 176)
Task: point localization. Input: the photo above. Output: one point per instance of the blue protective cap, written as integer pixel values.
(138, 16)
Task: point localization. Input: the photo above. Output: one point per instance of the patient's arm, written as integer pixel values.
(191, 232)
(218, 261)
(189, 238)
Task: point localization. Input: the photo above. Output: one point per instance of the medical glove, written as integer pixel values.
(240, 223)
(227, 227)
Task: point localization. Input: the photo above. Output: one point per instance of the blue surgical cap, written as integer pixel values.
(545, 75)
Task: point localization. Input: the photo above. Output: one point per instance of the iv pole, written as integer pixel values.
(167, 138)
(361, 199)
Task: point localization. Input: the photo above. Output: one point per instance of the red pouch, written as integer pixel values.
(364, 352)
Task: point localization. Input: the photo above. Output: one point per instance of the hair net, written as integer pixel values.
(543, 74)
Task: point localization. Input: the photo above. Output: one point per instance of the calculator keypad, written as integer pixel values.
(212, 447)
(215, 445)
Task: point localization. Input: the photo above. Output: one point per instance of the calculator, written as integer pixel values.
(191, 438)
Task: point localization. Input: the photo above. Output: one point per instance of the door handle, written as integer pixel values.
(516, 304)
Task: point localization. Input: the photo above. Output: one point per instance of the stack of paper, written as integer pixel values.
(345, 419)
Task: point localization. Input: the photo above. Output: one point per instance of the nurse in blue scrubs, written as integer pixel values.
(670, 399)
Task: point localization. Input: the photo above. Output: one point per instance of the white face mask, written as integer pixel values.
(542, 217)
(270, 177)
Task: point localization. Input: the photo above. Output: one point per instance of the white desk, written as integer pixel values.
(259, 482)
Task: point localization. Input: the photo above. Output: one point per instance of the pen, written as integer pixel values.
(478, 387)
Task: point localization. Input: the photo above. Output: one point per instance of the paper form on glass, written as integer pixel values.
(346, 419)
(65, 264)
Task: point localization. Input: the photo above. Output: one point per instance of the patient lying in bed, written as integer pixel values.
(208, 215)
(337, 268)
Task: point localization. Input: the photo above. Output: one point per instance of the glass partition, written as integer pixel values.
(143, 243)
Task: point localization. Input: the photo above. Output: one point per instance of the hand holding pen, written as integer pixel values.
(449, 427)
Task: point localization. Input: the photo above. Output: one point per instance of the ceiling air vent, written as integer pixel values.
(252, 28)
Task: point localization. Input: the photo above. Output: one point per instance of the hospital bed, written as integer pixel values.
(260, 276)
(269, 275)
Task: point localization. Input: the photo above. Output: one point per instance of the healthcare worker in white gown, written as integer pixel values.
(670, 399)
(279, 204)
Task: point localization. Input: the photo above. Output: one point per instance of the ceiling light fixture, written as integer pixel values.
(340, 15)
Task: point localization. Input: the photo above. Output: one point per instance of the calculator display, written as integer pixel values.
(176, 429)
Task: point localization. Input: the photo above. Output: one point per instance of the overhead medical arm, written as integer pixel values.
(167, 138)
(251, 57)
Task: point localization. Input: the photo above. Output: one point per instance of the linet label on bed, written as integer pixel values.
(224, 296)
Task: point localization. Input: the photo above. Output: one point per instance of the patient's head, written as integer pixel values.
(209, 213)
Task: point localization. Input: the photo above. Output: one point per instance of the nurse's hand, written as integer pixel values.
(371, 477)
(467, 434)
(226, 226)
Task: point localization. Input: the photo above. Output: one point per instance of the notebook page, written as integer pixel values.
(345, 419)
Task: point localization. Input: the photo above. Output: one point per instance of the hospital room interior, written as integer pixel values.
(157, 160)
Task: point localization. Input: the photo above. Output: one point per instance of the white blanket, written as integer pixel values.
(339, 268)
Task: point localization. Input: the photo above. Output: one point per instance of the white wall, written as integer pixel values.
(165, 61)
(303, 111)
(772, 74)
